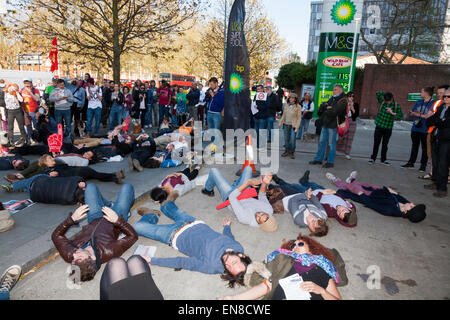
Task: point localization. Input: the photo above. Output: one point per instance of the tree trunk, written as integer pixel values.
(116, 46)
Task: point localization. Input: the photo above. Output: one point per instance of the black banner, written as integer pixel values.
(237, 71)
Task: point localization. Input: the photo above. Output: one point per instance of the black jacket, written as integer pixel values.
(442, 126)
(329, 116)
(50, 190)
(6, 162)
(263, 108)
(275, 104)
(355, 114)
(193, 96)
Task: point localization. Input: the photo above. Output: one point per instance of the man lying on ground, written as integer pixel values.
(144, 149)
(208, 251)
(99, 241)
(383, 200)
(253, 212)
(13, 162)
(45, 189)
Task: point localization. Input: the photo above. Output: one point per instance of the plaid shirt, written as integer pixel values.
(386, 120)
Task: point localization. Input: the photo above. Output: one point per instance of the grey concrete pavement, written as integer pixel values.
(413, 258)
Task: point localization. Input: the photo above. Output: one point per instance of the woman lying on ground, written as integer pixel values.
(303, 261)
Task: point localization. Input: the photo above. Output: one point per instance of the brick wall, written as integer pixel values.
(400, 80)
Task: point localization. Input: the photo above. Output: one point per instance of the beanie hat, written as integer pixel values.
(271, 225)
(6, 221)
(417, 213)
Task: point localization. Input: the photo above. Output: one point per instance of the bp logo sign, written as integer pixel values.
(236, 83)
(343, 12)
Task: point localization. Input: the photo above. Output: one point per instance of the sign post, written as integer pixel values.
(338, 47)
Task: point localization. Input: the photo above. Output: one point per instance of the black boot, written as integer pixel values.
(276, 179)
(305, 177)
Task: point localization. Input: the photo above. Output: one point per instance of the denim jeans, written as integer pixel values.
(125, 114)
(270, 122)
(294, 188)
(163, 112)
(259, 125)
(147, 225)
(94, 199)
(328, 136)
(59, 115)
(214, 121)
(304, 126)
(90, 113)
(155, 115)
(25, 184)
(289, 138)
(4, 295)
(216, 179)
(114, 117)
(147, 115)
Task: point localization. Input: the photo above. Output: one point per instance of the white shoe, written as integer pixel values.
(352, 177)
(331, 177)
(348, 157)
(10, 277)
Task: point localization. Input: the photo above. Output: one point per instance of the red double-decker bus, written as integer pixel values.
(180, 80)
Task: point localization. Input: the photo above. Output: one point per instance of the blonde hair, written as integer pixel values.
(42, 160)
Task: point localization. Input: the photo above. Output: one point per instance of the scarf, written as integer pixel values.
(307, 259)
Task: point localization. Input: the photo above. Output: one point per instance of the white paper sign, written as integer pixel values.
(291, 288)
(254, 108)
(261, 96)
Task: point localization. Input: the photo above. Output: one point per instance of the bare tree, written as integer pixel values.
(106, 30)
(408, 27)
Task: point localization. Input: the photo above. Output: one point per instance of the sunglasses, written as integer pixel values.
(446, 96)
(300, 244)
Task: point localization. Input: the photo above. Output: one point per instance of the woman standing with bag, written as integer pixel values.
(14, 111)
(307, 110)
(290, 122)
(344, 144)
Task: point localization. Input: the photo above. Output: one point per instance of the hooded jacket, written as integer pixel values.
(59, 190)
(338, 110)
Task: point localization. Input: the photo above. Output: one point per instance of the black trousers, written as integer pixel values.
(88, 173)
(441, 161)
(381, 135)
(190, 175)
(18, 115)
(419, 139)
(31, 150)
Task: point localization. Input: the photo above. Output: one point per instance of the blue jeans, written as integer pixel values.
(304, 126)
(90, 113)
(25, 184)
(125, 114)
(114, 117)
(259, 124)
(289, 138)
(294, 188)
(214, 121)
(59, 115)
(216, 179)
(147, 225)
(147, 115)
(328, 136)
(4, 295)
(94, 199)
(270, 121)
(163, 112)
(154, 114)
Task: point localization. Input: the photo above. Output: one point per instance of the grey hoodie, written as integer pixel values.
(298, 205)
(58, 93)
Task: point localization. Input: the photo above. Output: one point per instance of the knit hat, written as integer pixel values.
(417, 213)
(293, 95)
(6, 221)
(271, 225)
(352, 220)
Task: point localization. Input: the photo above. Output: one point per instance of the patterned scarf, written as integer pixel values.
(307, 259)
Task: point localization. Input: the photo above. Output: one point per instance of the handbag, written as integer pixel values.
(344, 126)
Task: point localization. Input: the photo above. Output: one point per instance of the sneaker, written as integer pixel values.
(10, 277)
(352, 177)
(208, 193)
(137, 165)
(314, 162)
(386, 163)
(408, 166)
(7, 187)
(423, 169)
(328, 165)
(331, 177)
(143, 211)
(371, 161)
(285, 154)
(292, 155)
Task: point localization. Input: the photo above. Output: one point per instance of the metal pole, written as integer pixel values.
(353, 54)
(225, 39)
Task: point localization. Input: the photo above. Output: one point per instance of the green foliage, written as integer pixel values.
(293, 75)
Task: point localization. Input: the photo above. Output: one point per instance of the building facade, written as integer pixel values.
(433, 48)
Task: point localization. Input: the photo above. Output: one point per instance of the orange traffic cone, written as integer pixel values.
(249, 156)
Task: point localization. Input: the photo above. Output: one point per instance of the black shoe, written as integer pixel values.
(305, 177)
(328, 165)
(315, 162)
(423, 169)
(208, 193)
(431, 186)
(276, 179)
(72, 136)
(440, 194)
(408, 165)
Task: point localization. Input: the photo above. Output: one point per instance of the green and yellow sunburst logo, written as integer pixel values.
(343, 12)
(236, 83)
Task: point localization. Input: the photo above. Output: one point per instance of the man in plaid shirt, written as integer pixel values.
(388, 111)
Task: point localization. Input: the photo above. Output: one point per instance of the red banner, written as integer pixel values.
(54, 56)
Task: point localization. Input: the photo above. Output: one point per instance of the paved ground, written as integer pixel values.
(413, 258)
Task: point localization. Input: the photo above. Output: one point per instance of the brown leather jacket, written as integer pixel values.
(105, 238)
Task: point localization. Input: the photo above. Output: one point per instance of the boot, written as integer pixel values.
(292, 155)
(285, 154)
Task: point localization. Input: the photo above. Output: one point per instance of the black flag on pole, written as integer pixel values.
(237, 71)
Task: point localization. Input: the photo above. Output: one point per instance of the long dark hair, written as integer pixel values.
(228, 276)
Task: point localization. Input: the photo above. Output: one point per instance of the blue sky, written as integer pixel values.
(292, 20)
